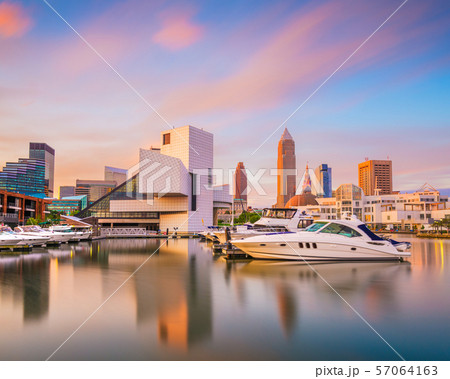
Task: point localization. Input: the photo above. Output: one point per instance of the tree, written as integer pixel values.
(32, 221)
(254, 217)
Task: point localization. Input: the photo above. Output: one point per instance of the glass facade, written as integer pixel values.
(27, 176)
(323, 175)
(44, 152)
(126, 191)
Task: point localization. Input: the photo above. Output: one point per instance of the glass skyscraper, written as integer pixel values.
(323, 175)
(27, 176)
(47, 154)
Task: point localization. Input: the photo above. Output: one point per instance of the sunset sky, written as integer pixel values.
(237, 69)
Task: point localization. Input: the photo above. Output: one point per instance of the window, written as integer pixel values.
(307, 245)
(302, 224)
(315, 227)
(300, 245)
(342, 230)
(166, 139)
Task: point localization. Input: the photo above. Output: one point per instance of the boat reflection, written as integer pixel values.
(370, 286)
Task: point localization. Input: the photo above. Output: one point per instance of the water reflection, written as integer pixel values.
(27, 279)
(184, 303)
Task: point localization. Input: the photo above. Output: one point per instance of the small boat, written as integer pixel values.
(8, 239)
(67, 229)
(324, 240)
(25, 240)
(35, 230)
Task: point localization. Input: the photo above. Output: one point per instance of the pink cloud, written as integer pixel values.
(14, 21)
(178, 31)
(298, 56)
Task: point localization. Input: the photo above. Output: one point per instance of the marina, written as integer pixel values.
(186, 303)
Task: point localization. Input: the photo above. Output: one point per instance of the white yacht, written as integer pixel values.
(35, 230)
(67, 229)
(8, 239)
(323, 240)
(272, 220)
(25, 240)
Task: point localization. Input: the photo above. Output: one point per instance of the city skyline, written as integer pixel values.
(388, 100)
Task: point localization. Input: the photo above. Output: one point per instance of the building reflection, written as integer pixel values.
(174, 291)
(28, 279)
(287, 307)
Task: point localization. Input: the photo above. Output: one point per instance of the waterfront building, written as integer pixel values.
(68, 205)
(16, 208)
(27, 177)
(117, 175)
(39, 150)
(393, 211)
(66, 191)
(375, 176)
(172, 187)
(94, 189)
(286, 169)
(323, 177)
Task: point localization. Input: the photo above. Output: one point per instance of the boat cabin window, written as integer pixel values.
(342, 230)
(302, 224)
(278, 213)
(315, 226)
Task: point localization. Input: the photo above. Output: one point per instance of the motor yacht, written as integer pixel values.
(8, 239)
(25, 240)
(67, 229)
(347, 239)
(272, 220)
(35, 230)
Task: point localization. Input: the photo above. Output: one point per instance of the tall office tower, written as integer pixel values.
(27, 176)
(66, 191)
(47, 154)
(323, 176)
(375, 175)
(118, 175)
(286, 166)
(240, 182)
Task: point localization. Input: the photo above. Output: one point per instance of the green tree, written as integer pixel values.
(254, 217)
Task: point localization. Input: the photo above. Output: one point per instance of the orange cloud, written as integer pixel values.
(178, 31)
(14, 21)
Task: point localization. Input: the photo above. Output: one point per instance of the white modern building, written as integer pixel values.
(170, 189)
(393, 211)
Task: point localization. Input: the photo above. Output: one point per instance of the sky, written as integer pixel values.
(237, 69)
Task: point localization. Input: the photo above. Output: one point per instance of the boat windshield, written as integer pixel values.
(340, 229)
(5, 229)
(279, 213)
(316, 226)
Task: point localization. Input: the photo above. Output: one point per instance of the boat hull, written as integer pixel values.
(321, 251)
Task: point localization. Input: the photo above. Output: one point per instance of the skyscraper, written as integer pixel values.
(374, 175)
(240, 182)
(286, 167)
(27, 176)
(323, 176)
(47, 154)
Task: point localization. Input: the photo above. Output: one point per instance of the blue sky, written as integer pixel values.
(237, 69)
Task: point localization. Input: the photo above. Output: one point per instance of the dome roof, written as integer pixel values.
(302, 200)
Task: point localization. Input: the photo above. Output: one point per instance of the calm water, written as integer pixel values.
(186, 304)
